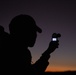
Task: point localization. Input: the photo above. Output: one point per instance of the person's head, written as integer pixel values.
(23, 27)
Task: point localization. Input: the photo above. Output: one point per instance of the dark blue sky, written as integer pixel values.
(52, 16)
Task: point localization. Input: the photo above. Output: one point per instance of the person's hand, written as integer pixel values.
(53, 45)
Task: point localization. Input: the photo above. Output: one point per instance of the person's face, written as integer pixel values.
(28, 38)
(32, 38)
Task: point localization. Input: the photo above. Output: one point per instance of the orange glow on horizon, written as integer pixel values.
(59, 69)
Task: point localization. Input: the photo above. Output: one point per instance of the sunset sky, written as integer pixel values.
(51, 16)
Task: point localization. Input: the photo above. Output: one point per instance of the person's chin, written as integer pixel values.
(31, 45)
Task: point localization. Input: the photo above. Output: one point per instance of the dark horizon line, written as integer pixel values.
(61, 71)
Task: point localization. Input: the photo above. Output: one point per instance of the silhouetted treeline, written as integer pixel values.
(61, 73)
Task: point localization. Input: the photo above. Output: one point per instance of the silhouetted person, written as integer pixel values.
(3, 35)
(4, 50)
(4, 38)
(23, 31)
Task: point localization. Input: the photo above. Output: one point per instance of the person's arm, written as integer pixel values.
(39, 67)
(42, 63)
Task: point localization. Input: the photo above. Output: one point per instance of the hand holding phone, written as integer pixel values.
(53, 44)
(54, 40)
(55, 36)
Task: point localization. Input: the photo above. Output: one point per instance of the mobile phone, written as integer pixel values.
(54, 39)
